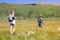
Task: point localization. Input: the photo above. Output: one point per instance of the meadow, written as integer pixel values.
(49, 30)
(30, 11)
(26, 20)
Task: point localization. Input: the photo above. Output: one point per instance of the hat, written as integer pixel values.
(40, 15)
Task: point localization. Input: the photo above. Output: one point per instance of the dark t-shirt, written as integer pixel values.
(40, 19)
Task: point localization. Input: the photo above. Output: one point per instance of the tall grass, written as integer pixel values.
(49, 30)
(31, 11)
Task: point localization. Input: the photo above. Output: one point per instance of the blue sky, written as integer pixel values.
(30, 1)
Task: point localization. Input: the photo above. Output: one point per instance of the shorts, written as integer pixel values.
(12, 23)
(40, 24)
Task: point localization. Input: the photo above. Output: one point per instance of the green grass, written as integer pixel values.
(30, 11)
(49, 30)
(26, 15)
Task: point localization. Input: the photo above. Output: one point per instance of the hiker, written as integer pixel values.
(11, 19)
(40, 19)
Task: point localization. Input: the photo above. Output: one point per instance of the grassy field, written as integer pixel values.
(25, 23)
(49, 30)
(30, 11)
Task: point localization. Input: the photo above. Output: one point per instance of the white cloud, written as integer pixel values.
(43, 3)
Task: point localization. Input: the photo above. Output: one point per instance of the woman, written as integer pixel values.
(11, 19)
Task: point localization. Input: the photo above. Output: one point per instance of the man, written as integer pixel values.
(40, 19)
(11, 19)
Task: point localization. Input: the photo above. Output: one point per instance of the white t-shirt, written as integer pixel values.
(10, 16)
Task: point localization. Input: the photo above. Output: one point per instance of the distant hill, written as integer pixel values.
(30, 10)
